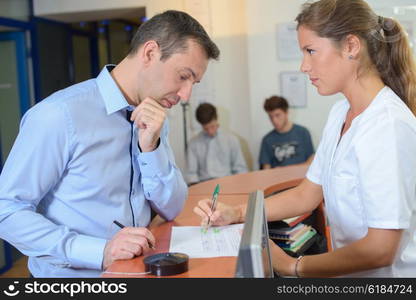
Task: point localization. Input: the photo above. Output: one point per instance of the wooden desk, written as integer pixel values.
(281, 178)
(234, 190)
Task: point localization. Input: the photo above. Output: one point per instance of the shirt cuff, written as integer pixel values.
(87, 252)
(155, 162)
(379, 224)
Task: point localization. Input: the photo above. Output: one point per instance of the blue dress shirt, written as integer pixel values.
(67, 178)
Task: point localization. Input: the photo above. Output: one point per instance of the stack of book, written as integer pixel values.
(292, 235)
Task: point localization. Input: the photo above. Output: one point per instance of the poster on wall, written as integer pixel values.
(293, 88)
(287, 42)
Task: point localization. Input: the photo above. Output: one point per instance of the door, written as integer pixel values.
(14, 102)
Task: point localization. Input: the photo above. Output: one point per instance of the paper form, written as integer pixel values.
(198, 243)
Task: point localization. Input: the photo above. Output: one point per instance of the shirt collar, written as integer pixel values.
(211, 137)
(113, 97)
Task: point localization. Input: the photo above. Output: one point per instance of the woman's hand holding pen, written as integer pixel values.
(223, 215)
(127, 243)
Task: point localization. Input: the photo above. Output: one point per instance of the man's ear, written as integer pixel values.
(352, 46)
(150, 52)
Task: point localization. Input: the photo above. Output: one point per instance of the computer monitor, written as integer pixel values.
(254, 258)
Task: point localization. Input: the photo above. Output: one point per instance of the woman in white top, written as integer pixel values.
(365, 165)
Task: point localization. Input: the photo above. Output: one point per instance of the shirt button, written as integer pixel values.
(144, 164)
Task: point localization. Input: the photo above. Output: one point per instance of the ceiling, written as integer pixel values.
(98, 15)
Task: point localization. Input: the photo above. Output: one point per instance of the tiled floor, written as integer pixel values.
(18, 270)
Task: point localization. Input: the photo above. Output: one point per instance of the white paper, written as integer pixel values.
(293, 88)
(287, 42)
(196, 243)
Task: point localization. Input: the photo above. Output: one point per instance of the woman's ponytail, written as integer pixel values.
(395, 62)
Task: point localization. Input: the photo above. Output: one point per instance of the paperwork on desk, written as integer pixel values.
(197, 243)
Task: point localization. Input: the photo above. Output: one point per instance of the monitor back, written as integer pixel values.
(254, 258)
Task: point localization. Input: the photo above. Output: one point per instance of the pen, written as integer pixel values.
(119, 224)
(213, 204)
(122, 226)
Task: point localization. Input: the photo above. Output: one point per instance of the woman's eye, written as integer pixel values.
(310, 51)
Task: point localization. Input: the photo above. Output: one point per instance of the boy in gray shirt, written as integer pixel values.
(213, 152)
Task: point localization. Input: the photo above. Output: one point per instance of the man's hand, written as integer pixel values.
(149, 116)
(127, 243)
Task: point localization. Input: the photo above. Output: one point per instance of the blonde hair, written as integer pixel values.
(386, 42)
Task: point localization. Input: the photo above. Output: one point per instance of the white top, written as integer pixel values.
(369, 178)
(212, 157)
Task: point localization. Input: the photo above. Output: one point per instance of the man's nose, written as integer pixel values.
(185, 91)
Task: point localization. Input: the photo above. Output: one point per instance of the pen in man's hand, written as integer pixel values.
(119, 224)
(213, 204)
(122, 226)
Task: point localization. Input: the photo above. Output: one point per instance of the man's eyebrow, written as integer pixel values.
(192, 72)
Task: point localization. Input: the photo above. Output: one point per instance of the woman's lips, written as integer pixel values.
(314, 80)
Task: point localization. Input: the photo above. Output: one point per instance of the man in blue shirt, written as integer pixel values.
(287, 143)
(98, 151)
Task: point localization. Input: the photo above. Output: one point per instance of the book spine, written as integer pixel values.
(299, 219)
